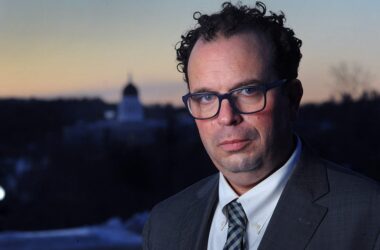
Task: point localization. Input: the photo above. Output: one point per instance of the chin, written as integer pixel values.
(238, 164)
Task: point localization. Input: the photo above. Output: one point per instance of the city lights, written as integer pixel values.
(2, 193)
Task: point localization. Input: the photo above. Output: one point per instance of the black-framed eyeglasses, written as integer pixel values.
(244, 100)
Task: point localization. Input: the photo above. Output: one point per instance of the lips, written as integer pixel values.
(234, 145)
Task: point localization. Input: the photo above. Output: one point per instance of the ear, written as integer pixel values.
(294, 92)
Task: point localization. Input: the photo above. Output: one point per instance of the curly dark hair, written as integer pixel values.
(237, 19)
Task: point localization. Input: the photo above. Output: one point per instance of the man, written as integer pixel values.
(272, 192)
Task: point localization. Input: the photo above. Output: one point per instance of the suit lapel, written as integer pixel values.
(197, 221)
(297, 216)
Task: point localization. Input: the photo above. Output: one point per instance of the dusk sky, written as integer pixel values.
(76, 48)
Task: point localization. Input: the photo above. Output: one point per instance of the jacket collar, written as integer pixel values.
(297, 215)
(197, 220)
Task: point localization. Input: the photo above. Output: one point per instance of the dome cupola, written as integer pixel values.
(130, 90)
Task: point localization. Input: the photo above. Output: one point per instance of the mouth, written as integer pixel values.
(234, 145)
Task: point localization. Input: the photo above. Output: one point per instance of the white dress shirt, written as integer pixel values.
(258, 204)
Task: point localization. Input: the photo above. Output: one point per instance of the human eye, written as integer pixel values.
(246, 91)
(203, 98)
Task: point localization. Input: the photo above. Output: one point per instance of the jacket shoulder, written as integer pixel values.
(351, 182)
(352, 192)
(187, 196)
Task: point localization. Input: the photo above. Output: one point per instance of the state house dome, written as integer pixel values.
(130, 90)
(130, 108)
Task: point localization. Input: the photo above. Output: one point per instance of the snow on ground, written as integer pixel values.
(112, 235)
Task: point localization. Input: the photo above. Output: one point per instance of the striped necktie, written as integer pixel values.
(237, 221)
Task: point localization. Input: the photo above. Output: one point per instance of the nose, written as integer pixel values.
(227, 116)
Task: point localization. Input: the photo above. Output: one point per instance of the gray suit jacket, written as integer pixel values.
(323, 206)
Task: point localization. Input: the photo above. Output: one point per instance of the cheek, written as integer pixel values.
(275, 122)
(263, 120)
(267, 122)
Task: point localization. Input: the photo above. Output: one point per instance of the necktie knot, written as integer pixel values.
(235, 214)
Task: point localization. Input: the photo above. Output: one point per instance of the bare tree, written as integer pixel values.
(351, 80)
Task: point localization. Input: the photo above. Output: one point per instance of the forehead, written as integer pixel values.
(221, 63)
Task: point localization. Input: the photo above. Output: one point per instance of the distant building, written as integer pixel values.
(130, 108)
(129, 126)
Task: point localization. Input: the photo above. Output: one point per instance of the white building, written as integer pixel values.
(130, 108)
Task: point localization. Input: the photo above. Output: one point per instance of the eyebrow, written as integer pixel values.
(235, 86)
